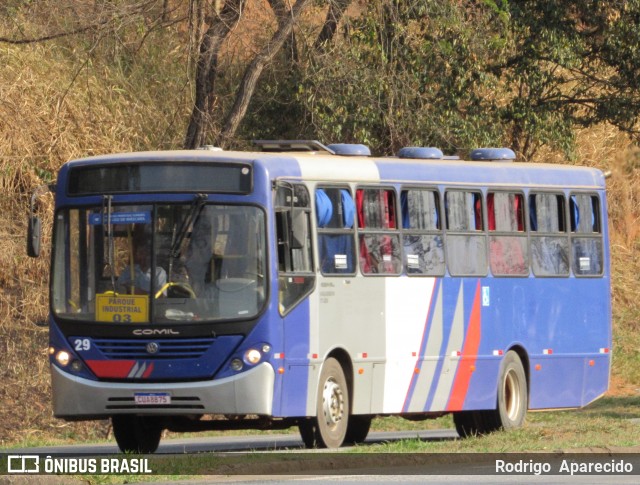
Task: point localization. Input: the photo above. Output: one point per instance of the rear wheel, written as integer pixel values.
(511, 406)
(329, 428)
(513, 395)
(465, 422)
(137, 434)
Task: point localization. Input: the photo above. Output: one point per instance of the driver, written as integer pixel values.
(141, 273)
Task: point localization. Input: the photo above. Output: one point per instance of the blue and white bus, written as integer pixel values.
(320, 287)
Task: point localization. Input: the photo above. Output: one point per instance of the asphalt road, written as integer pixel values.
(247, 443)
(342, 466)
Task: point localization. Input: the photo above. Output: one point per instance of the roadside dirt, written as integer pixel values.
(620, 388)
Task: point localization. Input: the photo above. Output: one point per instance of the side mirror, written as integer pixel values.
(34, 230)
(299, 228)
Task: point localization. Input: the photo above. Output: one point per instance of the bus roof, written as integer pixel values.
(324, 167)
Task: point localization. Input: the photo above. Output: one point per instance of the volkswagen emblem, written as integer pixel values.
(152, 348)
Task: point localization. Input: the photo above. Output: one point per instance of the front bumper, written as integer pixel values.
(250, 392)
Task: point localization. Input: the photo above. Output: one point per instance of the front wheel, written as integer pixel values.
(358, 429)
(137, 434)
(329, 428)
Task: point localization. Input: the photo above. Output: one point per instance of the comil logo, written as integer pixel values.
(155, 331)
(23, 464)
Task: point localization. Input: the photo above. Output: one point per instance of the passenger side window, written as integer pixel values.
(422, 232)
(335, 216)
(466, 241)
(508, 248)
(586, 240)
(549, 243)
(378, 238)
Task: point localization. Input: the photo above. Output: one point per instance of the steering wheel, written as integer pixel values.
(177, 284)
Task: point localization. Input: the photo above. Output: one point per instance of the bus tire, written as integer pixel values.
(332, 406)
(137, 434)
(357, 429)
(511, 403)
(466, 423)
(513, 397)
(308, 432)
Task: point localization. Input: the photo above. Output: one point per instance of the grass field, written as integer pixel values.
(610, 426)
(612, 422)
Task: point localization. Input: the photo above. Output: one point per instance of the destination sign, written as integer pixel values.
(168, 176)
(122, 308)
(122, 218)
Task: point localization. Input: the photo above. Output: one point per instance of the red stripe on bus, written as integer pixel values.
(470, 350)
(111, 368)
(148, 372)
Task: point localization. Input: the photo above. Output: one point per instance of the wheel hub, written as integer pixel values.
(332, 402)
(511, 395)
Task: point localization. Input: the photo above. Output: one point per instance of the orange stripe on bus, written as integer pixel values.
(470, 349)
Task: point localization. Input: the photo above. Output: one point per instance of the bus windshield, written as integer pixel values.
(159, 263)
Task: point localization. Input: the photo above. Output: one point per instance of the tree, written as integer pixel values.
(409, 73)
(252, 74)
(220, 25)
(200, 126)
(572, 63)
(463, 74)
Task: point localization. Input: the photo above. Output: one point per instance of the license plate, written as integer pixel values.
(151, 398)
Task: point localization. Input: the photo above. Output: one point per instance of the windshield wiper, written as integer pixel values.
(189, 221)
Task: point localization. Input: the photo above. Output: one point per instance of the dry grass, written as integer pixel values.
(46, 120)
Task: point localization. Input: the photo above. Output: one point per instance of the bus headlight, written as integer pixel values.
(236, 365)
(252, 356)
(63, 358)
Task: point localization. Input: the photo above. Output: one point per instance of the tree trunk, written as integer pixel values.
(252, 74)
(206, 70)
(334, 15)
(282, 13)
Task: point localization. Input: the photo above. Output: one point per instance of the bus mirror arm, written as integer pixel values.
(34, 224)
(299, 228)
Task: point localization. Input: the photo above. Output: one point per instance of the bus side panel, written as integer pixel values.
(295, 378)
(407, 306)
(452, 371)
(503, 304)
(596, 378)
(474, 384)
(348, 314)
(570, 365)
(429, 360)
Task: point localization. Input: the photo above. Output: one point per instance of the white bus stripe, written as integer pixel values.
(430, 362)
